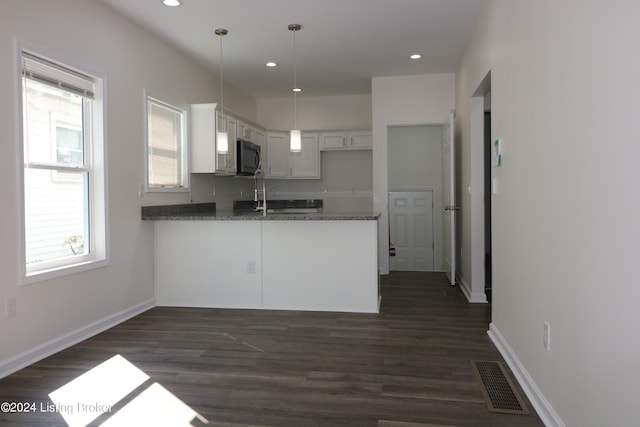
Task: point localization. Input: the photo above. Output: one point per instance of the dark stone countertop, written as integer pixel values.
(283, 212)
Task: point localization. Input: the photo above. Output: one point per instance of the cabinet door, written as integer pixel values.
(204, 263)
(306, 163)
(361, 140)
(202, 119)
(231, 165)
(242, 130)
(226, 163)
(260, 137)
(333, 140)
(277, 155)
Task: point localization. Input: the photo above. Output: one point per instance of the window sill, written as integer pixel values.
(67, 270)
(167, 190)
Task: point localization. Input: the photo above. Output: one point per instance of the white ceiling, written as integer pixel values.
(341, 46)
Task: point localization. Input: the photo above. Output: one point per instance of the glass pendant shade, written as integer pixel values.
(295, 137)
(222, 142)
(295, 141)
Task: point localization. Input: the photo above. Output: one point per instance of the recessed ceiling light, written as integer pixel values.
(271, 64)
(416, 56)
(296, 89)
(171, 3)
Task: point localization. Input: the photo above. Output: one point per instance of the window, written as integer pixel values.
(166, 148)
(63, 185)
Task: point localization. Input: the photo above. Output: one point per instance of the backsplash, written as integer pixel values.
(345, 186)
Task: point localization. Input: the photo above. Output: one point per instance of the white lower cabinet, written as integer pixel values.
(286, 265)
(320, 265)
(207, 264)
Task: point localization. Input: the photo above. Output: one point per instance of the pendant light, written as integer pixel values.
(295, 137)
(222, 137)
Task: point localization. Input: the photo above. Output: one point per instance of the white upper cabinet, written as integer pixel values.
(360, 140)
(306, 163)
(259, 136)
(277, 155)
(227, 161)
(283, 164)
(205, 121)
(242, 130)
(346, 140)
(247, 131)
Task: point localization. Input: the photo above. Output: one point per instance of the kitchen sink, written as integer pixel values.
(292, 210)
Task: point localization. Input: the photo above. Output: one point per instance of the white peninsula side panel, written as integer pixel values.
(320, 265)
(208, 264)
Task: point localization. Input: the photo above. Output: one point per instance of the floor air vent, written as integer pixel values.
(498, 390)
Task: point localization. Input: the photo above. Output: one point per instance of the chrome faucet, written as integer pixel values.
(258, 174)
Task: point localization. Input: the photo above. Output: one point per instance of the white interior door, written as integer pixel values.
(411, 230)
(450, 207)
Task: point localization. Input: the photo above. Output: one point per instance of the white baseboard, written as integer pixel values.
(60, 343)
(542, 406)
(476, 298)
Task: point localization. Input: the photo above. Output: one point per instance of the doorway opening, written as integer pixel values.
(488, 147)
(415, 183)
(481, 189)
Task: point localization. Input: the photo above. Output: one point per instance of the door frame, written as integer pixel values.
(476, 291)
(450, 199)
(383, 237)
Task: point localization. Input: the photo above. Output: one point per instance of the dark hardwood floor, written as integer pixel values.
(409, 366)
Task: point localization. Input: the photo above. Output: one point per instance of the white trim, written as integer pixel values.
(63, 270)
(97, 158)
(542, 406)
(185, 154)
(476, 182)
(473, 297)
(26, 358)
(383, 223)
(19, 159)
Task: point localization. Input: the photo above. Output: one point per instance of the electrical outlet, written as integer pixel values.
(10, 307)
(251, 266)
(546, 336)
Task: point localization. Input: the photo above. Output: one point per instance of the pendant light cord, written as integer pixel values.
(221, 84)
(295, 84)
(221, 32)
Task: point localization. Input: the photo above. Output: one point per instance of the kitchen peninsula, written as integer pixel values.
(285, 260)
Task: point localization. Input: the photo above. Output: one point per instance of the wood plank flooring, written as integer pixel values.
(409, 366)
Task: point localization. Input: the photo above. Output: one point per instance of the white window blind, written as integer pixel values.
(47, 72)
(165, 144)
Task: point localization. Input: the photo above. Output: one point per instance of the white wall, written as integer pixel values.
(316, 112)
(55, 312)
(415, 157)
(565, 101)
(408, 100)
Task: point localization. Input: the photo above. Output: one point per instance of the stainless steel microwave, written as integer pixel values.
(248, 155)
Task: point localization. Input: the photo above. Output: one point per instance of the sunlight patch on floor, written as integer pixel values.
(96, 392)
(156, 406)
